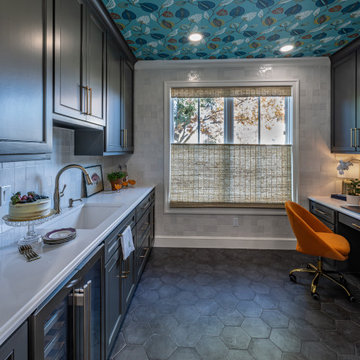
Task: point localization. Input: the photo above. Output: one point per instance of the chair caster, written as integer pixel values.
(351, 299)
(315, 296)
(292, 278)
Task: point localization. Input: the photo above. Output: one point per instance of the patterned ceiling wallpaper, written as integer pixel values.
(235, 28)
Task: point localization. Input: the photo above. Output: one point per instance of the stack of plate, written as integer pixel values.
(59, 236)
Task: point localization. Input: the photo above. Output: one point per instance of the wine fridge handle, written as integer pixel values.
(87, 321)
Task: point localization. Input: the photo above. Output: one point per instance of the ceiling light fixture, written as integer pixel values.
(286, 48)
(195, 37)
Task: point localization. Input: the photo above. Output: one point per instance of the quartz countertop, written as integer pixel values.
(335, 204)
(25, 285)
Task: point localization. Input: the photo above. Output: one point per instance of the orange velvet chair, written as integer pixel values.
(316, 239)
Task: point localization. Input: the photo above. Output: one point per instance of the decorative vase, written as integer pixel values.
(353, 200)
(115, 182)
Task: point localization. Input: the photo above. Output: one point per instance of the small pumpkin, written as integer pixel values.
(117, 186)
(132, 182)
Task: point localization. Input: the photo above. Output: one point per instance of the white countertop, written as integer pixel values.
(25, 285)
(334, 204)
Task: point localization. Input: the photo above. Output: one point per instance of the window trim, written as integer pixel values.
(293, 133)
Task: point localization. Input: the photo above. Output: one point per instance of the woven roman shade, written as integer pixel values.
(230, 175)
(237, 91)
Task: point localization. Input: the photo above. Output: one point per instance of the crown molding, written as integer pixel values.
(227, 63)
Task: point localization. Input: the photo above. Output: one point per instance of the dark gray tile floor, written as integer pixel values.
(209, 304)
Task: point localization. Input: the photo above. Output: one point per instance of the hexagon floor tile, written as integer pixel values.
(214, 304)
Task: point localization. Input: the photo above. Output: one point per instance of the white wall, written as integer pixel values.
(316, 164)
(40, 175)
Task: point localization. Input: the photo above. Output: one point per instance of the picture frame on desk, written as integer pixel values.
(96, 176)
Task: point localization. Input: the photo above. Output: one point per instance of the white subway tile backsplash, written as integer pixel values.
(40, 175)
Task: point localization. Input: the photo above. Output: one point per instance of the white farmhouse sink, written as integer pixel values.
(88, 216)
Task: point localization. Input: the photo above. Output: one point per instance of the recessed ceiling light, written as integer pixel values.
(195, 37)
(286, 48)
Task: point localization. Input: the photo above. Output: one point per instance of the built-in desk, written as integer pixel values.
(343, 222)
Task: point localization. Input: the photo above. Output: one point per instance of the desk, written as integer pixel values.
(343, 222)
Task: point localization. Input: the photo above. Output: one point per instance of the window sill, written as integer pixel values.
(224, 211)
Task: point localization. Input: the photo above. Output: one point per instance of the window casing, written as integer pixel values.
(239, 173)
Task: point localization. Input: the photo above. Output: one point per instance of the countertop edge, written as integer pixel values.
(16, 320)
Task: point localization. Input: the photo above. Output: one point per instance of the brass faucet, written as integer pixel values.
(57, 193)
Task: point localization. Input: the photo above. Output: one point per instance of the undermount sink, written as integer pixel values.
(85, 217)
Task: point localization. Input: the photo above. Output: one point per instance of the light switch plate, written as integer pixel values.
(5, 194)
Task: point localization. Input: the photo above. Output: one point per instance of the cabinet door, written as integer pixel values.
(25, 78)
(95, 70)
(113, 118)
(113, 308)
(128, 282)
(358, 100)
(16, 347)
(93, 280)
(69, 91)
(344, 104)
(128, 97)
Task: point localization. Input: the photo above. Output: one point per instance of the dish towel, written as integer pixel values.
(127, 243)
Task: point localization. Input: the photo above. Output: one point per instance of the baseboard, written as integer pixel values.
(225, 242)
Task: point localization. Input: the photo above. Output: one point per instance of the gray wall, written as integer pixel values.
(317, 164)
(40, 175)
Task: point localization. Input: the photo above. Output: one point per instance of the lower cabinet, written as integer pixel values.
(69, 325)
(113, 294)
(122, 276)
(82, 318)
(346, 226)
(16, 347)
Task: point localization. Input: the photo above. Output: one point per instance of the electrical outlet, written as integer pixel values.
(5, 194)
(235, 221)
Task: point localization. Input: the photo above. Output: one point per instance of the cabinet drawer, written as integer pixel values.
(143, 226)
(323, 212)
(349, 221)
(144, 205)
(112, 242)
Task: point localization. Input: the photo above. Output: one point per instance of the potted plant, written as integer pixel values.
(353, 196)
(116, 178)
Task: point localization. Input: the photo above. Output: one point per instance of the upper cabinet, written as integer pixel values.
(128, 107)
(56, 65)
(345, 93)
(117, 138)
(79, 77)
(25, 79)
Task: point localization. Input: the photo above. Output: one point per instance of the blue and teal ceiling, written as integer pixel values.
(235, 28)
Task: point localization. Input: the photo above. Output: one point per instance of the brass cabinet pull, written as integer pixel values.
(86, 100)
(356, 225)
(125, 138)
(122, 276)
(122, 138)
(352, 137)
(90, 112)
(356, 137)
(320, 212)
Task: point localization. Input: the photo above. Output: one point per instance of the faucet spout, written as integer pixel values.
(57, 193)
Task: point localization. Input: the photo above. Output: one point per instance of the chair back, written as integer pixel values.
(305, 227)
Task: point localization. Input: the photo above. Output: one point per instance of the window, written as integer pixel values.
(230, 147)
